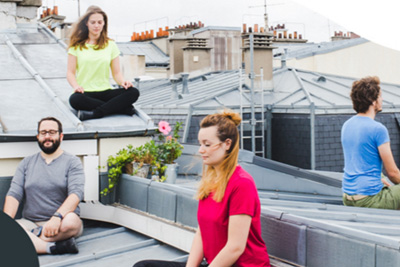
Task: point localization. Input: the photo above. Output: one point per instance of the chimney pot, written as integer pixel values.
(255, 27)
(244, 27)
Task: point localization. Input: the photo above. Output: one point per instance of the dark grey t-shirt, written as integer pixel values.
(44, 187)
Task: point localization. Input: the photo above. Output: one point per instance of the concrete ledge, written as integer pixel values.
(166, 231)
(330, 249)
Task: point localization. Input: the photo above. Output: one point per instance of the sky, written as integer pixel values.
(315, 20)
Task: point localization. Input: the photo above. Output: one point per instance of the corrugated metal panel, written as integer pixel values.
(153, 55)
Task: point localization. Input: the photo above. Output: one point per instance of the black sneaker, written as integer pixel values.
(130, 111)
(65, 246)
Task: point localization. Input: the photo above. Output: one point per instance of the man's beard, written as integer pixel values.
(51, 149)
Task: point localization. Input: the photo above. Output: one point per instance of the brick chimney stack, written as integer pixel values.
(262, 57)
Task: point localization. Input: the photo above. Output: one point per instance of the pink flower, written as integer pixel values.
(169, 138)
(164, 127)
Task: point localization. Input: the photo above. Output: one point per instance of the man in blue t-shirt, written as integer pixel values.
(366, 145)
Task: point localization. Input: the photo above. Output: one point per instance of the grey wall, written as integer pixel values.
(328, 148)
(291, 139)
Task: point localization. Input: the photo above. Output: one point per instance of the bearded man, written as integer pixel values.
(50, 184)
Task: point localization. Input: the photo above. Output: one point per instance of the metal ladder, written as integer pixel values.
(252, 103)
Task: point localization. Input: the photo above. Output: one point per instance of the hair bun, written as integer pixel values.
(233, 116)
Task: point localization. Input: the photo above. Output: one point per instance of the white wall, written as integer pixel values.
(368, 59)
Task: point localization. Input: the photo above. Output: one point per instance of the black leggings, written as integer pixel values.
(108, 102)
(158, 263)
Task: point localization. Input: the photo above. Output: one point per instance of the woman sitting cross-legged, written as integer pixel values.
(91, 54)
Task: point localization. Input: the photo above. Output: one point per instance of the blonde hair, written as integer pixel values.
(80, 31)
(226, 122)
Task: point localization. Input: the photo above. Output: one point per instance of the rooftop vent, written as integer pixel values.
(196, 43)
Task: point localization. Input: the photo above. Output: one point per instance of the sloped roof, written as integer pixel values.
(304, 50)
(153, 55)
(33, 85)
(295, 91)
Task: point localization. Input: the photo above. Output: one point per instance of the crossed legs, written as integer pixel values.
(71, 226)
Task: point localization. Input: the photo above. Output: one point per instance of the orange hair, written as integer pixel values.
(226, 123)
(80, 31)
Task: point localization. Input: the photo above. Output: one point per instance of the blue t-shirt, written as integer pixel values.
(361, 137)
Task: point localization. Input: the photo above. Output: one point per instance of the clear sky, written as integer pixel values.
(127, 16)
(316, 20)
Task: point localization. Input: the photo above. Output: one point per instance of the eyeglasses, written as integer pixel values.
(50, 132)
(206, 146)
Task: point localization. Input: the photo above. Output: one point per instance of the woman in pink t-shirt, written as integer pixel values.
(229, 232)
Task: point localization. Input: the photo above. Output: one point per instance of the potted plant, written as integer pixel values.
(115, 165)
(134, 161)
(143, 157)
(169, 149)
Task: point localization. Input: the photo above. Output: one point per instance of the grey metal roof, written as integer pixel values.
(153, 55)
(157, 93)
(33, 85)
(304, 50)
(105, 244)
(295, 91)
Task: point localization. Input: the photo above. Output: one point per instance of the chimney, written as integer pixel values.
(185, 88)
(17, 12)
(196, 56)
(262, 58)
(176, 54)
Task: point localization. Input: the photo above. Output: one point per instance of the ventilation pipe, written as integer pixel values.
(283, 58)
(174, 82)
(185, 88)
(137, 80)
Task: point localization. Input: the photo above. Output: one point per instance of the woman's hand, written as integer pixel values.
(126, 84)
(79, 89)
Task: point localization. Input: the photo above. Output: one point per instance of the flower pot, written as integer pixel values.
(137, 169)
(171, 173)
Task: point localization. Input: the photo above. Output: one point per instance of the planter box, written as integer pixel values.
(133, 192)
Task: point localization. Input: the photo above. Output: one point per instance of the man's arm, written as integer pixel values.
(11, 206)
(388, 162)
(52, 227)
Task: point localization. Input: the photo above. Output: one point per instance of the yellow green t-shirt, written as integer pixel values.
(93, 66)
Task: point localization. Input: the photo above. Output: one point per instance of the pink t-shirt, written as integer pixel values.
(241, 197)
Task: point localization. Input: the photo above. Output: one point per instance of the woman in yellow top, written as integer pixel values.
(91, 54)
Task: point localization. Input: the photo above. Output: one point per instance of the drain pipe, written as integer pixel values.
(52, 35)
(174, 82)
(185, 87)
